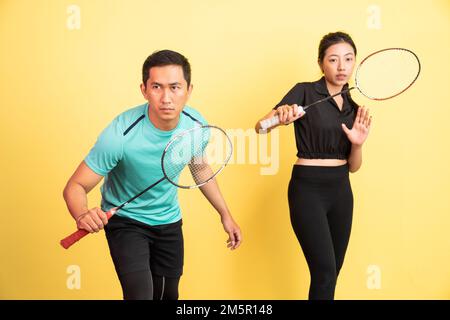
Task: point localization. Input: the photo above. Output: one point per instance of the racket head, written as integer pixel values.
(386, 73)
(194, 157)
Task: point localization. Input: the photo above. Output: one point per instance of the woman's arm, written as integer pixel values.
(357, 136)
(355, 158)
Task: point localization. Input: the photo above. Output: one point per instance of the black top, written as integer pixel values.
(319, 134)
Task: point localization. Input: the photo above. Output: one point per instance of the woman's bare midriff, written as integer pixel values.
(321, 162)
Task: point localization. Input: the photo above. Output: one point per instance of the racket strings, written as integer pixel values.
(387, 73)
(204, 150)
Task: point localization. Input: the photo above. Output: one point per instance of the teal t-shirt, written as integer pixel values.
(128, 154)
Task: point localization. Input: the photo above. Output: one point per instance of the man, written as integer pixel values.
(145, 237)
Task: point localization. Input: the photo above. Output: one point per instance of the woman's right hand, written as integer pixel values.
(289, 113)
(93, 220)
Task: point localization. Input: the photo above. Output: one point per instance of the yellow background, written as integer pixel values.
(59, 88)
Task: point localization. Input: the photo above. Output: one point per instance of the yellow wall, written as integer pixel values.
(61, 85)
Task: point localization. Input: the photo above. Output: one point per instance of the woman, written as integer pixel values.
(320, 195)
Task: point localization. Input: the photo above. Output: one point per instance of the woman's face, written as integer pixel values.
(338, 63)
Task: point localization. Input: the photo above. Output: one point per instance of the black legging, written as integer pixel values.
(141, 285)
(321, 209)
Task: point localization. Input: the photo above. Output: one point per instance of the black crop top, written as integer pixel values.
(319, 134)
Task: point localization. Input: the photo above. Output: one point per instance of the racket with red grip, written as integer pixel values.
(196, 148)
(80, 233)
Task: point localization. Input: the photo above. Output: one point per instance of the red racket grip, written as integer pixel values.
(68, 241)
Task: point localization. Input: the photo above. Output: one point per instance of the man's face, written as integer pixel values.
(167, 92)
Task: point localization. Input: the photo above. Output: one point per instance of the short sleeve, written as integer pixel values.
(107, 151)
(195, 116)
(294, 96)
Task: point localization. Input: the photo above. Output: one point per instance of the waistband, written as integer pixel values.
(304, 171)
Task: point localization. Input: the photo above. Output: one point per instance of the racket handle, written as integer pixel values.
(68, 241)
(74, 237)
(275, 120)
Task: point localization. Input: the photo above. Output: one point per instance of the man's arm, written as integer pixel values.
(75, 193)
(211, 192)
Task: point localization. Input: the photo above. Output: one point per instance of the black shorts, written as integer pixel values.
(136, 246)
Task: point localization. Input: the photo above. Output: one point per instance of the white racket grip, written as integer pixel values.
(272, 122)
(269, 123)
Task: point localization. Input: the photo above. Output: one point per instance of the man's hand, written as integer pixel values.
(234, 233)
(93, 220)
